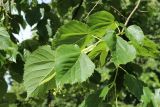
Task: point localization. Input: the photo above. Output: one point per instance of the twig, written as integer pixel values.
(77, 9)
(135, 8)
(118, 12)
(92, 9)
(49, 98)
(115, 75)
(119, 31)
(116, 95)
(91, 47)
(123, 70)
(10, 6)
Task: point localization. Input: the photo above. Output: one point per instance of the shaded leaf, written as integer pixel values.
(2, 60)
(10, 97)
(15, 21)
(3, 87)
(92, 100)
(16, 69)
(134, 85)
(42, 31)
(31, 17)
(95, 78)
(64, 5)
(30, 45)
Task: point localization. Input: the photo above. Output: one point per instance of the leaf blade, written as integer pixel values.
(37, 68)
(72, 66)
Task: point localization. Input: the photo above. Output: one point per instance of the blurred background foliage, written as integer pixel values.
(60, 12)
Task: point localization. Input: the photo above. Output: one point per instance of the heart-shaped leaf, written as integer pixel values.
(122, 52)
(71, 65)
(135, 34)
(7, 45)
(100, 22)
(134, 85)
(39, 69)
(71, 33)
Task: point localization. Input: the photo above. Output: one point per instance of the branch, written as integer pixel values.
(118, 12)
(133, 11)
(10, 6)
(92, 9)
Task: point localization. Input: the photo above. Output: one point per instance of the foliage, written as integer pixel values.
(79, 53)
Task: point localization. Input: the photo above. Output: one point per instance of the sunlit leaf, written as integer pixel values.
(122, 52)
(71, 33)
(147, 96)
(135, 33)
(98, 49)
(147, 48)
(39, 69)
(7, 45)
(71, 65)
(4, 39)
(100, 22)
(104, 92)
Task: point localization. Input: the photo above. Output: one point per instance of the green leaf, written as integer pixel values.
(148, 48)
(4, 33)
(7, 45)
(31, 17)
(71, 33)
(16, 69)
(134, 85)
(98, 49)
(104, 92)
(10, 97)
(4, 105)
(92, 100)
(71, 65)
(122, 52)
(100, 22)
(63, 6)
(147, 96)
(3, 87)
(103, 57)
(2, 60)
(110, 39)
(48, 83)
(39, 69)
(4, 39)
(135, 34)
